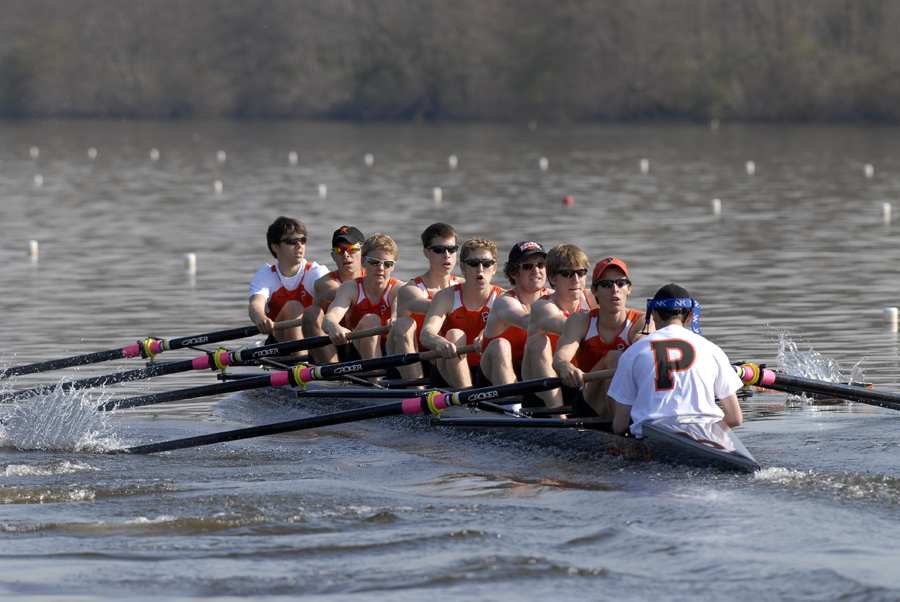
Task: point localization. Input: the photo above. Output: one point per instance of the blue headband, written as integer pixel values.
(678, 304)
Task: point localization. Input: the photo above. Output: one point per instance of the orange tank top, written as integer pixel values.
(470, 322)
(420, 318)
(364, 306)
(337, 278)
(281, 296)
(593, 348)
(516, 336)
(554, 338)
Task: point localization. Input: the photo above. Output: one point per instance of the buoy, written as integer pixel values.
(716, 206)
(38, 180)
(532, 125)
(568, 201)
(370, 159)
(452, 161)
(886, 212)
(438, 194)
(890, 319)
(544, 163)
(870, 171)
(92, 153)
(751, 168)
(217, 186)
(35, 152)
(190, 262)
(292, 157)
(323, 191)
(221, 156)
(714, 124)
(33, 248)
(154, 154)
(645, 165)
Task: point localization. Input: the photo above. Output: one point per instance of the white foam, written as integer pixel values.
(52, 468)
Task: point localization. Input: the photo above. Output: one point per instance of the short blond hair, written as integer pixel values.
(380, 242)
(562, 255)
(475, 243)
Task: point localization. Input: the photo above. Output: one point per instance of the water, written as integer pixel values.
(795, 270)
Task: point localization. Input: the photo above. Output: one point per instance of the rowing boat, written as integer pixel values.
(693, 440)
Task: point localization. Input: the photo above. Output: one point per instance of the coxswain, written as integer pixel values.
(595, 340)
(674, 371)
(439, 245)
(367, 301)
(283, 290)
(346, 247)
(458, 314)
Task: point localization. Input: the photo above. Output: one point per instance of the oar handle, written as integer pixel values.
(370, 332)
(433, 355)
(288, 324)
(599, 375)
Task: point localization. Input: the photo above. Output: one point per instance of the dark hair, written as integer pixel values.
(281, 226)
(438, 230)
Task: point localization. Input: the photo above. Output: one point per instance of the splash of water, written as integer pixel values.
(60, 422)
(811, 363)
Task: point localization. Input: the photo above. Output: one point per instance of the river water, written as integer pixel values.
(794, 272)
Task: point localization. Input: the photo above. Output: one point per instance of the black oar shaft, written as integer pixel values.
(790, 383)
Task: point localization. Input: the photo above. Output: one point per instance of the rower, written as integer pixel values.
(505, 333)
(439, 242)
(674, 371)
(283, 290)
(595, 340)
(458, 314)
(368, 301)
(346, 244)
(567, 268)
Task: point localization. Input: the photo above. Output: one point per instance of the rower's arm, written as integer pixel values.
(324, 290)
(732, 409)
(343, 301)
(510, 311)
(567, 346)
(621, 419)
(411, 300)
(257, 311)
(545, 316)
(392, 299)
(441, 306)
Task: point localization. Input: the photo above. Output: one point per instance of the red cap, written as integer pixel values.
(601, 266)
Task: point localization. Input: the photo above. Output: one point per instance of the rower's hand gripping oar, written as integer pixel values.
(214, 360)
(416, 405)
(298, 376)
(147, 349)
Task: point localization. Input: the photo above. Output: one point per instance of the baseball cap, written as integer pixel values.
(523, 249)
(606, 263)
(348, 234)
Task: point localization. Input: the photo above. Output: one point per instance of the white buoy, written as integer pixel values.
(92, 153)
(292, 157)
(544, 163)
(645, 166)
(218, 187)
(438, 194)
(714, 124)
(38, 180)
(190, 262)
(221, 156)
(369, 159)
(35, 152)
(154, 154)
(890, 319)
(323, 191)
(870, 171)
(452, 161)
(751, 168)
(886, 212)
(33, 248)
(716, 206)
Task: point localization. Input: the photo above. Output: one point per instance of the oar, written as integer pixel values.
(215, 360)
(295, 377)
(146, 349)
(753, 375)
(433, 404)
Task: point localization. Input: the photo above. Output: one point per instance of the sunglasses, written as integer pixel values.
(474, 263)
(294, 240)
(341, 249)
(530, 266)
(440, 249)
(581, 273)
(388, 263)
(621, 282)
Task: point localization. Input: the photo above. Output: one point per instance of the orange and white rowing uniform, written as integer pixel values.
(516, 336)
(583, 305)
(279, 289)
(420, 318)
(365, 306)
(469, 321)
(593, 348)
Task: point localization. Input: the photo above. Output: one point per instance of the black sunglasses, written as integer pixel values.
(294, 240)
(621, 282)
(567, 273)
(474, 263)
(440, 249)
(531, 265)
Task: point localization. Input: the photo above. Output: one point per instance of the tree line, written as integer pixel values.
(557, 60)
